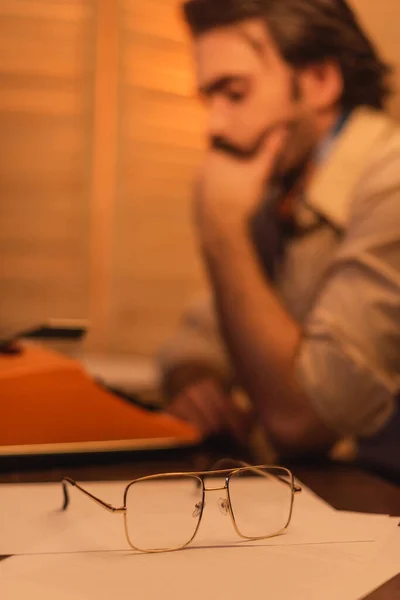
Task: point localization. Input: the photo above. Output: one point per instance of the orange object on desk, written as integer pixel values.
(49, 404)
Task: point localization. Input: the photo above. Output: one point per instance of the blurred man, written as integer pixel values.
(297, 209)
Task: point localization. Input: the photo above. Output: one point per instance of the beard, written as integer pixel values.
(296, 156)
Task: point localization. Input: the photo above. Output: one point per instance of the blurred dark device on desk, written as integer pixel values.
(50, 405)
(62, 329)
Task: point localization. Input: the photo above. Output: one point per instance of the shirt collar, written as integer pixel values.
(325, 146)
(342, 158)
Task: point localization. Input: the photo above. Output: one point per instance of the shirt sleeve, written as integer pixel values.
(348, 362)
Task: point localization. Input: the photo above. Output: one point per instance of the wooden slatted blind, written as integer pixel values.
(156, 266)
(46, 72)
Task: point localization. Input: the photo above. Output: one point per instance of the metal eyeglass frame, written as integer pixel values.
(199, 507)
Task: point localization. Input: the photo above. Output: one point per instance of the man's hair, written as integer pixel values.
(307, 32)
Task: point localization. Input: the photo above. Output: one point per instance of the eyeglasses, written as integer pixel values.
(163, 512)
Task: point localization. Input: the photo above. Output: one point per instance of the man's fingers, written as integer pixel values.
(211, 410)
(274, 142)
(230, 415)
(206, 409)
(196, 407)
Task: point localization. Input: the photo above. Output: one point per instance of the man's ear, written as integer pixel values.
(321, 85)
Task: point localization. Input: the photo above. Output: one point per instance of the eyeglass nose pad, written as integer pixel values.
(197, 509)
(223, 505)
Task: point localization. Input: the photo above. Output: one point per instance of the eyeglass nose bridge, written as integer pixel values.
(217, 489)
(223, 503)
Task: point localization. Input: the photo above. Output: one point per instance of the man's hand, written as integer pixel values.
(207, 406)
(229, 189)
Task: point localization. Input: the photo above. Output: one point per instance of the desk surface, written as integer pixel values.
(343, 486)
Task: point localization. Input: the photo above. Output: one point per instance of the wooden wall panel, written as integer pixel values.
(103, 180)
(46, 72)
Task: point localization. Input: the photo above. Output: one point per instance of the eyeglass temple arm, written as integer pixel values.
(296, 488)
(98, 501)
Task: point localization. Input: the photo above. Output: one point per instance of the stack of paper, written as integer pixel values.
(83, 554)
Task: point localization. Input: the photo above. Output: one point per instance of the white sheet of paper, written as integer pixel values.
(31, 522)
(282, 573)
